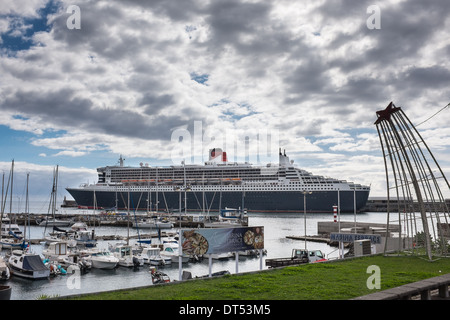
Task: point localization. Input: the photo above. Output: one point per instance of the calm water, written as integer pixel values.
(276, 228)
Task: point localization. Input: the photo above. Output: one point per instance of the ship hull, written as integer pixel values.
(254, 201)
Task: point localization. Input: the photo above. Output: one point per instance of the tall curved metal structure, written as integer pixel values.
(412, 173)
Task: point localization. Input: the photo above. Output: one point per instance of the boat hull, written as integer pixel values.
(100, 264)
(254, 201)
(30, 274)
(11, 245)
(57, 223)
(5, 292)
(150, 225)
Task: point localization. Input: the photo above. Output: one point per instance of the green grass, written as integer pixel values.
(322, 281)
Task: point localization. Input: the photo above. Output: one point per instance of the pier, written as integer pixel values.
(101, 219)
(314, 239)
(325, 228)
(119, 237)
(380, 204)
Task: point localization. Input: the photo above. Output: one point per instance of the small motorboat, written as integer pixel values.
(158, 276)
(125, 255)
(59, 253)
(219, 256)
(27, 265)
(170, 250)
(83, 236)
(152, 256)
(103, 260)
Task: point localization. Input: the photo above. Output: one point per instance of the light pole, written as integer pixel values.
(304, 210)
(185, 188)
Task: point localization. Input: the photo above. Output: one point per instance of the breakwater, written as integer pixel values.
(380, 204)
(101, 219)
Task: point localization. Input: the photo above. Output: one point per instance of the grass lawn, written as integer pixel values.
(321, 281)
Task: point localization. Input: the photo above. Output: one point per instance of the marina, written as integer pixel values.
(203, 139)
(277, 228)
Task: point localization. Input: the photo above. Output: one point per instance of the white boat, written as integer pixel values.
(12, 243)
(125, 255)
(103, 260)
(10, 229)
(251, 253)
(4, 270)
(59, 235)
(158, 276)
(229, 218)
(55, 223)
(60, 254)
(27, 265)
(170, 250)
(219, 256)
(86, 238)
(82, 235)
(152, 224)
(152, 256)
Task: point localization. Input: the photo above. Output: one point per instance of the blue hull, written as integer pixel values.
(256, 201)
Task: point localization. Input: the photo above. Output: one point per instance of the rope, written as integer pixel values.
(433, 115)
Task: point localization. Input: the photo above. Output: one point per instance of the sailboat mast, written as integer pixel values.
(3, 187)
(157, 187)
(55, 193)
(1, 208)
(4, 198)
(26, 210)
(10, 195)
(128, 216)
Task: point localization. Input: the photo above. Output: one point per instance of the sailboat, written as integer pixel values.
(57, 235)
(27, 265)
(10, 236)
(23, 263)
(9, 229)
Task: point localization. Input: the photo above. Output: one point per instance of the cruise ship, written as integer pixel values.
(219, 183)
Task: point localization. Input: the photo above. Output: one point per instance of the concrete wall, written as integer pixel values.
(324, 228)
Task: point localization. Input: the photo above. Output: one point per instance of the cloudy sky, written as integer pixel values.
(79, 88)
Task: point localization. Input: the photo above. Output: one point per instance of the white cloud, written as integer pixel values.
(41, 178)
(310, 70)
(70, 153)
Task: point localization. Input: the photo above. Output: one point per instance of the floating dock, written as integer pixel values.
(325, 228)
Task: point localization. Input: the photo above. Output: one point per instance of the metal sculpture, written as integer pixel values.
(413, 173)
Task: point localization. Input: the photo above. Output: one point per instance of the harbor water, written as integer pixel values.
(276, 228)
